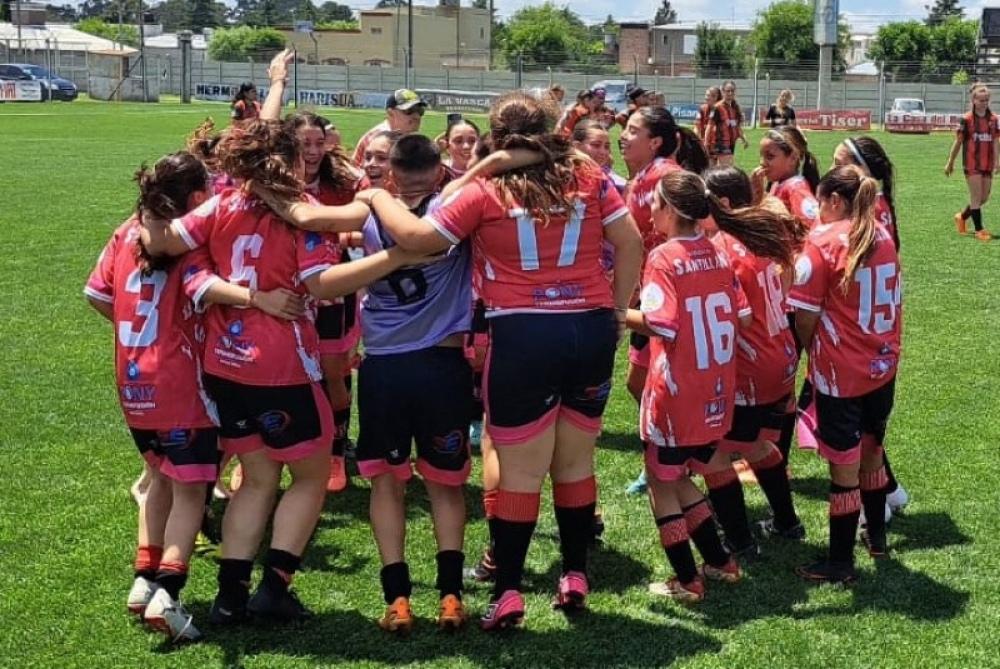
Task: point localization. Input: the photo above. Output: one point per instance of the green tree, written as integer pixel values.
(205, 14)
(782, 35)
(914, 51)
(5, 10)
(126, 34)
(719, 53)
(334, 11)
(665, 14)
(238, 44)
(942, 10)
(546, 35)
(901, 47)
(173, 15)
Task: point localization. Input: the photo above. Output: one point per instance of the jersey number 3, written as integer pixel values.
(142, 330)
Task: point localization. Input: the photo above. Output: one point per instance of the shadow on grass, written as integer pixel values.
(626, 442)
(918, 531)
(348, 636)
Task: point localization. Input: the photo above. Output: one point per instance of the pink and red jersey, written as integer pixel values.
(692, 300)
(250, 246)
(797, 196)
(639, 195)
(525, 265)
(856, 346)
(883, 214)
(358, 157)
(158, 338)
(766, 359)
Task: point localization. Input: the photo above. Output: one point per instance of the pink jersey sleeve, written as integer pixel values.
(314, 253)
(811, 278)
(101, 283)
(195, 227)
(460, 215)
(659, 302)
(198, 275)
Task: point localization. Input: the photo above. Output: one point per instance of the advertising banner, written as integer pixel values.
(851, 120)
(20, 91)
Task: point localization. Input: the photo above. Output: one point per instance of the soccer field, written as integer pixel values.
(67, 521)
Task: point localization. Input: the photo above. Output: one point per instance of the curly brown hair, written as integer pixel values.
(265, 153)
(164, 192)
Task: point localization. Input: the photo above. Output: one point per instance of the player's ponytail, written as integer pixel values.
(861, 193)
(164, 192)
(765, 233)
(869, 154)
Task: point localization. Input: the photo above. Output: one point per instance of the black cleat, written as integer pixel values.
(227, 613)
(278, 606)
(767, 529)
(836, 573)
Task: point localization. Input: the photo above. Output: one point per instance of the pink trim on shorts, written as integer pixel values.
(153, 460)
(669, 473)
(515, 436)
(443, 476)
(369, 469)
(835, 457)
(305, 449)
(805, 429)
(342, 346)
(231, 446)
(581, 422)
(189, 473)
(639, 357)
(740, 447)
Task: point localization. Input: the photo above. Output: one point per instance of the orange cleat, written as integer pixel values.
(398, 618)
(984, 236)
(451, 613)
(960, 224)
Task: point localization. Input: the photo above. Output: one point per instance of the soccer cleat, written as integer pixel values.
(338, 474)
(282, 607)
(767, 528)
(683, 593)
(140, 595)
(898, 499)
(167, 615)
(398, 617)
(476, 433)
(227, 613)
(485, 571)
(638, 486)
(960, 223)
(504, 613)
(983, 236)
(829, 572)
(744, 553)
(877, 550)
(451, 613)
(727, 573)
(573, 591)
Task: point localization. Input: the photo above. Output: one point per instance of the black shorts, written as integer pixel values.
(334, 321)
(544, 366)
(423, 397)
(188, 455)
(292, 422)
(750, 421)
(672, 464)
(842, 421)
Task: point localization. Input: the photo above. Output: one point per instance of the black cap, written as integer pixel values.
(636, 93)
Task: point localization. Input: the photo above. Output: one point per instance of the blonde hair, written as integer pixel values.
(861, 192)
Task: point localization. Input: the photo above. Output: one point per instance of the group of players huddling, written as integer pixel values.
(516, 265)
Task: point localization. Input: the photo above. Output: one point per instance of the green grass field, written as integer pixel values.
(67, 526)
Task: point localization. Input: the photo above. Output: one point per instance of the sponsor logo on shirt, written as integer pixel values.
(559, 295)
(233, 347)
(717, 407)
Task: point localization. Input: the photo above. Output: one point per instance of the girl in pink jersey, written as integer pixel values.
(158, 342)
(537, 234)
(263, 372)
(652, 145)
(848, 311)
(870, 157)
(766, 364)
(785, 161)
(691, 306)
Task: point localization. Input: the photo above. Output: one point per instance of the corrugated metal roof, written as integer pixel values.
(60, 36)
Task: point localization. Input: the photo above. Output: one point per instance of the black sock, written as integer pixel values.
(449, 573)
(977, 219)
(234, 579)
(845, 509)
(342, 424)
(774, 484)
(279, 567)
(730, 508)
(785, 440)
(705, 536)
(396, 581)
(477, 396)
(491, 526)
(892, 484)
(511, 540)
(966, 212)
(576, 533)
(172, 581)
(679, 554)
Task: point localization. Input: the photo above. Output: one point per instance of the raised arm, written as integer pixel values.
(277, 74)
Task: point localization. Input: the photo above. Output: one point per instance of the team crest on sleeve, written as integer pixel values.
(652, 298)
(810, 208)
(803, 270)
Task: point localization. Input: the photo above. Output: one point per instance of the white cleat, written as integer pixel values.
(140, 595)
(897, 499)
(168, 616)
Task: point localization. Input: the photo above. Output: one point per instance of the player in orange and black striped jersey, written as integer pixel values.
(712, 97)
(725, 127)
(977, 137)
